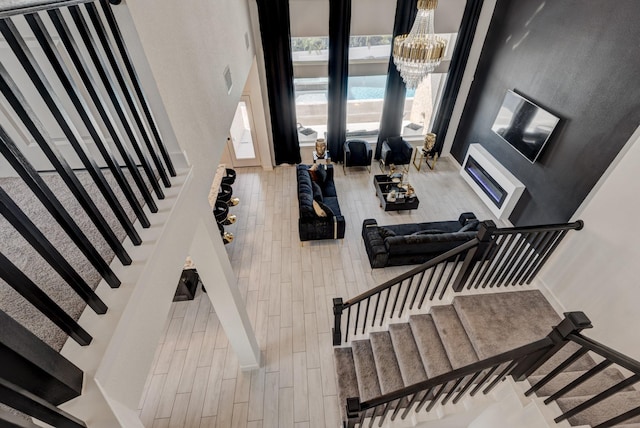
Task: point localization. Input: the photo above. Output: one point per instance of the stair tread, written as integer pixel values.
(603, 411)
(432, 352)
(389, 375)
(407, 354)
(500, 322)
(365, 367)
(456, 343)
(598, 383)
(345, 376)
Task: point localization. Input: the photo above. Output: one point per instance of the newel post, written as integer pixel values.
(353, 412)
(337, 316)
(573, 322)
(485, 232)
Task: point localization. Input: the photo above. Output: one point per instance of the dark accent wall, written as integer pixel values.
(578, 59)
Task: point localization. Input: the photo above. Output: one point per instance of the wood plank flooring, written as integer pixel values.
(195, 380)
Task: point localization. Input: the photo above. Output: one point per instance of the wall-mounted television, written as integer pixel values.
(524, 125)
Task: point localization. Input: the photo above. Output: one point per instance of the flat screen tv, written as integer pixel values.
(524, 125)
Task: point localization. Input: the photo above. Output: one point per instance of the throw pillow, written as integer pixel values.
(317, 191)
(322, 175)
(318, 209)
(385, 233)
(313, 173)
(470, 226)
(326, 209)
(427, 232)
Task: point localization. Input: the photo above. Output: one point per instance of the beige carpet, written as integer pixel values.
(14, 247)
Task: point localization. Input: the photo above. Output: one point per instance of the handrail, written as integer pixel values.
(609, 357)
(576, 225)
(10, 8)
(478, 366)
(493, 370)
(419, 269)
(494, 258)
(606, 352)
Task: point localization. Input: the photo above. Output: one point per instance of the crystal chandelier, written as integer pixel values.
(418, 53)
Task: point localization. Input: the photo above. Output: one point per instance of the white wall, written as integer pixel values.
(595, 270)
(188, 45)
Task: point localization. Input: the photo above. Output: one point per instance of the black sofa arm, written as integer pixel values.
(374, 244)
(466, 217)
(407, 152)
(312, 229)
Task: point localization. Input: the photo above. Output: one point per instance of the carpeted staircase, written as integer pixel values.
(473, 328)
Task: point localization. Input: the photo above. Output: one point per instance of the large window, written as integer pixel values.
(368, 62)
(310, 83)
(369, 54)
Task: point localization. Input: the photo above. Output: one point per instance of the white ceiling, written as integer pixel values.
(310, 18)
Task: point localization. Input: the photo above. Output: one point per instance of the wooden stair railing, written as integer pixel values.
(90, 64)
(470, 379)
(495, 258)
(607, 357)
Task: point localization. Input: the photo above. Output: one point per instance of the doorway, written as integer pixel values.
(242, 140)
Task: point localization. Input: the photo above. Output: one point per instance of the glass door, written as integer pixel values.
(242, 141)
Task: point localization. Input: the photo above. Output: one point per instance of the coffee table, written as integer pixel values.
(384, 186)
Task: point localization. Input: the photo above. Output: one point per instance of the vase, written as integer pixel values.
(321, 147)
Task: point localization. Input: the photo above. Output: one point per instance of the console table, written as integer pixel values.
(384, 186)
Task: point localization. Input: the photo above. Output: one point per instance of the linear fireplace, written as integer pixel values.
(494, 184)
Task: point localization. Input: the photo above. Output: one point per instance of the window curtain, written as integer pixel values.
(395, 91)
(339, 28)
(273, 16)
(456, 70)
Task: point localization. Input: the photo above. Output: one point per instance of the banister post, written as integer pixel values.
(486, 229)
(573, 322)
(353, 412)
(337, 316)
(485, 232)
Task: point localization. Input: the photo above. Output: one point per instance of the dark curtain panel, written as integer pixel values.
(339, 26)
(394, 94)
(456, 70)
(276, 42)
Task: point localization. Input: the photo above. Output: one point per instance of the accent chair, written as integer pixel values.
(395, 150)
(357, 153)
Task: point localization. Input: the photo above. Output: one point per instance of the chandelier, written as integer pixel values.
(418, 53)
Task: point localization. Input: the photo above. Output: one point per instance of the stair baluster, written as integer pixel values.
(495, 258)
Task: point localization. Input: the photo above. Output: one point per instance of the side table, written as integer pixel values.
(424, 156)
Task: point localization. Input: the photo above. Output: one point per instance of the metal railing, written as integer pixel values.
(482, 376)
(607, 357)
(495, 258)
(67, 69)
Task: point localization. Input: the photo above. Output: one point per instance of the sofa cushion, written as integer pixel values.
(322, 175)
(317, 191)
(385, 232)
(306, 205)
(428, 232)
(421, 244)
(329, 189)
(332, 203)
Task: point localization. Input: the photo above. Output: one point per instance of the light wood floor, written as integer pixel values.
(195, 380)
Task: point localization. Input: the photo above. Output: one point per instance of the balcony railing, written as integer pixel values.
(72, 102)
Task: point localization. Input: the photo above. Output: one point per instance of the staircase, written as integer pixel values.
(472, 329)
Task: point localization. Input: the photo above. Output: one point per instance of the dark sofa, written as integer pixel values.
(318, 186)
(415, 243)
